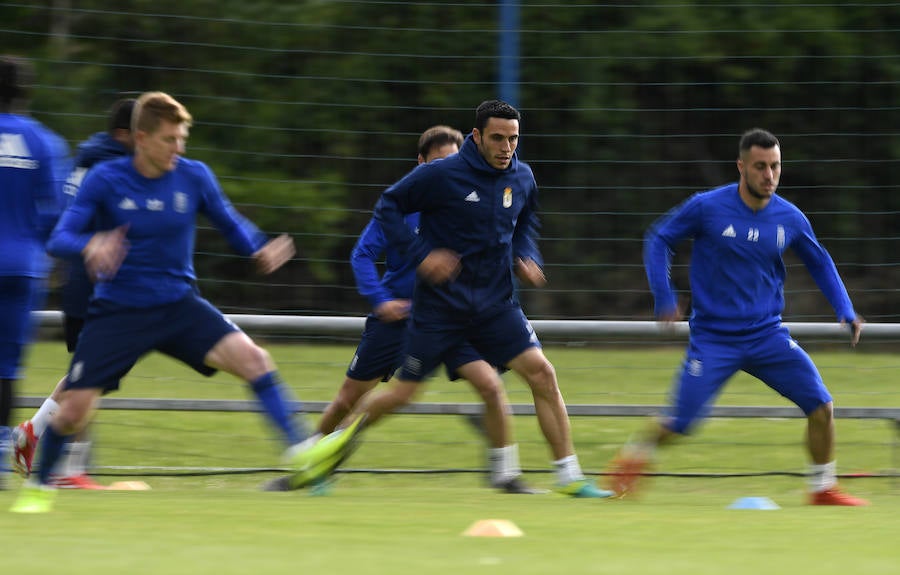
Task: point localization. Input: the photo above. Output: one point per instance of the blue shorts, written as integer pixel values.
(19, 296)
(114, 339)
(496, 337)
(773, 357)
(380, 352)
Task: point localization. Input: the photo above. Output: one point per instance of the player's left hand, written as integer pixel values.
(275, 254)
(529, 272)
(855, 329)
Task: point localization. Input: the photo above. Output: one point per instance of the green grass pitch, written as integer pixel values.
(413, 522)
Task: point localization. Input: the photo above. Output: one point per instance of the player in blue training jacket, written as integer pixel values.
(478, 226)
(34, 163)
(145, 297)
(380, 349)
(740, 232)
(71, 472)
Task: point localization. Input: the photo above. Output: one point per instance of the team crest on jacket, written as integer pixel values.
(507, 197)
(181, 203)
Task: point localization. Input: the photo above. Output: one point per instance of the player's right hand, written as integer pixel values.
(440, 266)
(393, 310)
(105, 252)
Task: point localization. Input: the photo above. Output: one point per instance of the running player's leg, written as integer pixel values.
(706, 367)
(783, 365)
(377, 356)
(201, 336)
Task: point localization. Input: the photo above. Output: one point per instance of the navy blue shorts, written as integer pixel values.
(496, 337)
(72, 327)
(380, 352)
(114, 339)
(773, 357)
(19, 296)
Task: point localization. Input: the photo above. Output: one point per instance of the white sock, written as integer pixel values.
(822, 477)
(74, 459)
(44, 414)
(504, 462)
(568, 470)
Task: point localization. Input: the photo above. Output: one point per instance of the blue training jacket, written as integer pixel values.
(161, 214)
(487, 216)
(736, 271)
(99, 147)
(399, 275)
(34, 163)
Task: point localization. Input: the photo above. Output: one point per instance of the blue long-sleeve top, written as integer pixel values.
(737, 272)
(399, 276)
(161, 214)
(99, 147)
(487, 216)
(34, 163)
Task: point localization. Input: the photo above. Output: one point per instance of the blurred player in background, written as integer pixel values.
(145, 295)
(478, 227)
(34, 163)
(380, 349)
(740, 232)
(71, 471)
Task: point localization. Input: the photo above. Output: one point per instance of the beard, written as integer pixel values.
(756, 193)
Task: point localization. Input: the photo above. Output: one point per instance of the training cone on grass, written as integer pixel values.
(128, 486)
(763, 503)
(493, 528)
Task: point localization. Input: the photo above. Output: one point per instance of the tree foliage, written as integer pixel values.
(314, 107)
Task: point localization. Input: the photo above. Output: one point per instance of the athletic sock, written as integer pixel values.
(74, 459)
(5, 448)
(51, 448)
(822, 477)
(504, 462)
(41, 419)
(273, 397)
(568, 470)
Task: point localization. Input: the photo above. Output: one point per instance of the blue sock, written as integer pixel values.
(5, 448)
(273, 397)
(51, 448)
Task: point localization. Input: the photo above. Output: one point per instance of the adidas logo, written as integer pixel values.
(127, 204)
(14, 152)
(729, 232)
(473, 197)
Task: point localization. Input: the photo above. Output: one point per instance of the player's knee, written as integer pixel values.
(252, 360)
(823, 414)
(542, 379)
(491, 393)
(403, 393)
(349, 394)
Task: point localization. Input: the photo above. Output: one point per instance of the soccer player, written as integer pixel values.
(145, 296)
(34, 163)
(477, 228)
(740, 232)
(380, 349)
(71, 472)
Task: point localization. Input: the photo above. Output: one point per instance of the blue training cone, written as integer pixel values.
(754, 503)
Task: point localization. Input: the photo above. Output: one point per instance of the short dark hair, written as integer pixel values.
(494, 109)
(120, 115)
(16, 78)
(757, 137)
(438, 136)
